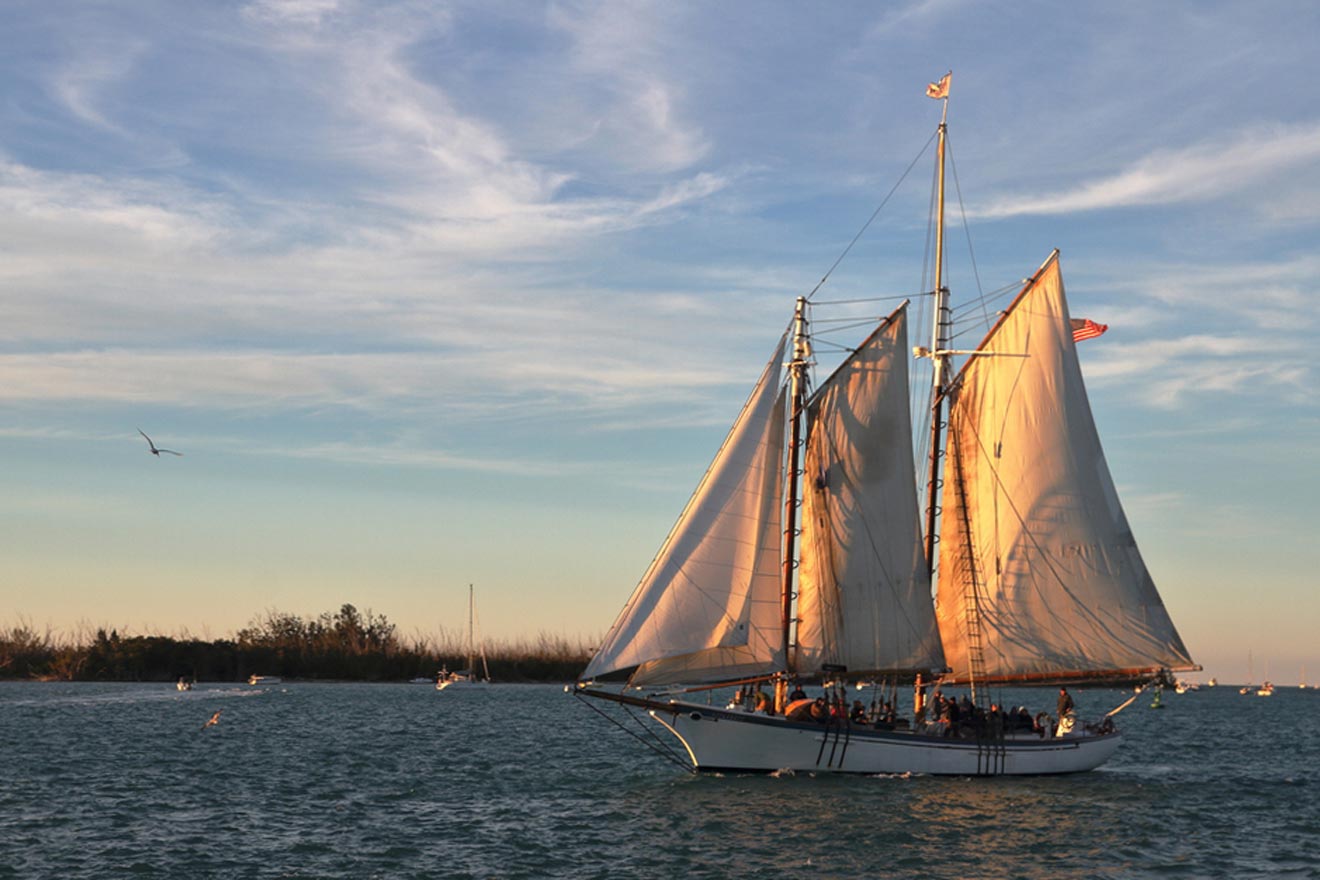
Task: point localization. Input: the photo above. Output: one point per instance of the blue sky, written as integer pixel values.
(436, 294)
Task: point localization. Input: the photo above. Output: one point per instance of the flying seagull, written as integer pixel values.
(154, 450)
(215, 719)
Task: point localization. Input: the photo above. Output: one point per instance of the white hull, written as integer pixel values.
(718, 739)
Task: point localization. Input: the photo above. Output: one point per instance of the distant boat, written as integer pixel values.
(183, 684)
(1250, 687)
(264, 679)
(1039, 578)
(467, 677)
(1267, 687)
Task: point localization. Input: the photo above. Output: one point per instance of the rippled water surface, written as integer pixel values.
(357, 781)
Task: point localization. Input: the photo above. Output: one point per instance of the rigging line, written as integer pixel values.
(973, 330)
(990, 297)
(833, 347)
(868, 223)
(846, 302)
(853, 320)
(856, 322)
(967, 323)
(661, 750)
(967, 230)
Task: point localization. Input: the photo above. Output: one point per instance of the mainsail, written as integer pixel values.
(708, 607)
(863, 586)
(1040, 578)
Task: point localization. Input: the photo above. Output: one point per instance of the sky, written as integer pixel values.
(438, 294)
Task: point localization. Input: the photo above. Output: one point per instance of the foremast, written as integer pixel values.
(797, 381)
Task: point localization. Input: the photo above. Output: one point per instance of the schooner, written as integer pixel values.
(803, 555)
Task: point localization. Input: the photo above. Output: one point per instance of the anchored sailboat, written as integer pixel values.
(1039, 579)
(467, 677)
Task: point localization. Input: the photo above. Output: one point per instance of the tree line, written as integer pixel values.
(347, 645)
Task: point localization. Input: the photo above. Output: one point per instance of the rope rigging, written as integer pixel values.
(874, 214)
(652, 741)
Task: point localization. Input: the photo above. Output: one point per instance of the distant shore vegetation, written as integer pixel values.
(347, 645)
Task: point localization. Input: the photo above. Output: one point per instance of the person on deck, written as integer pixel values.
(994, 720)
(1065, 703)
(820, 712)
(954, 716)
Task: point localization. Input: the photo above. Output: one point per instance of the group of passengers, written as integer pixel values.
(950, 716)
(960, 717)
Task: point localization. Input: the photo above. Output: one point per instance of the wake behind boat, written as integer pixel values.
(1038, 579)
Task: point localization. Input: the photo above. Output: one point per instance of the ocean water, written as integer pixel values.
(401, 781)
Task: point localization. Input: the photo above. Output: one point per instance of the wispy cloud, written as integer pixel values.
(98, 65)
(627, 49)
(301, 12)
(1193, 174)
(1178, 369)
(917, 14)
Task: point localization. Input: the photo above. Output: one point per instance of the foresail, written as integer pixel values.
(864, 596)
(708, 608)
(1039, 576)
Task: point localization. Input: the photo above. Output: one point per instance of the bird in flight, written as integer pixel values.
(215, 719)
(154, 449)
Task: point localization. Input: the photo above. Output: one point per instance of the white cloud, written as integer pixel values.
(1197, 173)
(302, 13)
(627, 51)
(901, 17)
(98, 65)
(1177, 369)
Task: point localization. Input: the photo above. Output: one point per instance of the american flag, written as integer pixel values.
(1085, 328)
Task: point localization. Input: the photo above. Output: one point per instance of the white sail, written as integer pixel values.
(864, 597)
(1039, 577)
(708, 608)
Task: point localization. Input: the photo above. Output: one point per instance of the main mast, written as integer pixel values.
(939, 353)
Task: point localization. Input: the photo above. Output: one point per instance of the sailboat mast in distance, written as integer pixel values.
(472, 654)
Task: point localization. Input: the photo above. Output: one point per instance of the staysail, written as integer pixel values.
(1040, 578)
(864, 597)
(708, 608)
